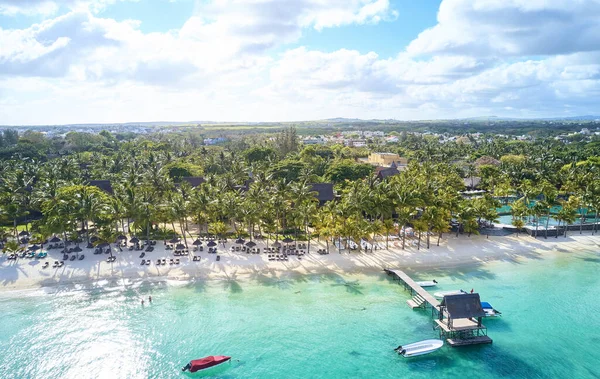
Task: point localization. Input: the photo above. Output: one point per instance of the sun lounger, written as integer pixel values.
(142, 255)
(73, 258)
(143, 262)
(81, 257)
(164, 261)
(158, 262)
(61, 264)
(218, 257)
(177, 261)
(46, 265)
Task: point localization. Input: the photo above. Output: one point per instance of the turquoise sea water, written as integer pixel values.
(319, 326)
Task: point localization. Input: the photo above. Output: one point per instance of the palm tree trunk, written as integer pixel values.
(419, 241)
(547, 224)
(428, 238)
(403, 236)
(595, 222)
(557, 229)
(439, 238)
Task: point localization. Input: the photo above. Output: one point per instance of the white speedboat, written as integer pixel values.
(489, 310)
(441, 294)
(427, 283)
(419, 348)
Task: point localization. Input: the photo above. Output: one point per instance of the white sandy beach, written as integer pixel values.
(452, 252)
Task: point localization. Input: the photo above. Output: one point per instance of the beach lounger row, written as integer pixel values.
(181, 253)
(58, 264)
(278, 257)
(322, 252)
(196, 258)
(163, 262)
(111, 259)
(212, 250)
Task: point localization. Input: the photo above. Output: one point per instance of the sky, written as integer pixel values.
(106, 61)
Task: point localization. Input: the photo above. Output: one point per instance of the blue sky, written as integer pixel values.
(75, 61)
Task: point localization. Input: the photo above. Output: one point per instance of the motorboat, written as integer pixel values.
(427, 283)
(441, 294)
(419, 348)
(206, 362)
(489, 310)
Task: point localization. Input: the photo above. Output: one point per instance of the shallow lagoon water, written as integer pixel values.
(314, 326)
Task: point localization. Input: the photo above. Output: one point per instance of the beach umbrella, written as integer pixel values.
(174, 240)
(93, 239)
(240, 241)
(23, 233)
(197, 243)
(180, 247)
(211, 244)
(24, 240)
(250, 243)
(77, 249)
(277, 244)
(288, 240)
(121, 238)
(134, 240)
(103, 245)
(34, 247)
(55, 239)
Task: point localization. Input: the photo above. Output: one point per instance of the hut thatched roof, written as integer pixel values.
(104, 185)
(463, 306)
(194, 181)
(324, 191)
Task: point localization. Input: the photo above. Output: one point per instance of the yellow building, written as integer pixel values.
(386, 159)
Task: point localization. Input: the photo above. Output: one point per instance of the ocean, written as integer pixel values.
(307, 326)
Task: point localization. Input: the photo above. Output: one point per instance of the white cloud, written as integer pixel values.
(512, 27)
(483, 57)
(50, 7)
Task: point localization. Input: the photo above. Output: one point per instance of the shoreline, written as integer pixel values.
(453, 253)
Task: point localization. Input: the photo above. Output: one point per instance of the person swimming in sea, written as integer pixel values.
(150, 299)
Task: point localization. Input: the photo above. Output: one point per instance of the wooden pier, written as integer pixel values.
(421, 298)
(458, 316)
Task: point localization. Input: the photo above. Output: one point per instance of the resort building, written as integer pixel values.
(386, 160)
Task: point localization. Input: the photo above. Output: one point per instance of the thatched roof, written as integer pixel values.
(472, 182)
(194, 181)
(384, 172)
(324, 191)
(463, 306)
(104, 185)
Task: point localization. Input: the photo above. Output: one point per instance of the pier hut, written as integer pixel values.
(459, 320)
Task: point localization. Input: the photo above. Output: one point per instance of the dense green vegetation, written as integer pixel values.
(261, 185)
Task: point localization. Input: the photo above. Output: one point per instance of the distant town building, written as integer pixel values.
(214, 141)
(314, 141)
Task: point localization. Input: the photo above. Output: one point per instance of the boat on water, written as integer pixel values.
(419, 348)
(206, 362)
(427, 283)
(489, 310)
(441, 294)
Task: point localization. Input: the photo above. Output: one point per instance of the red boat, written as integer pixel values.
(206, 362)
